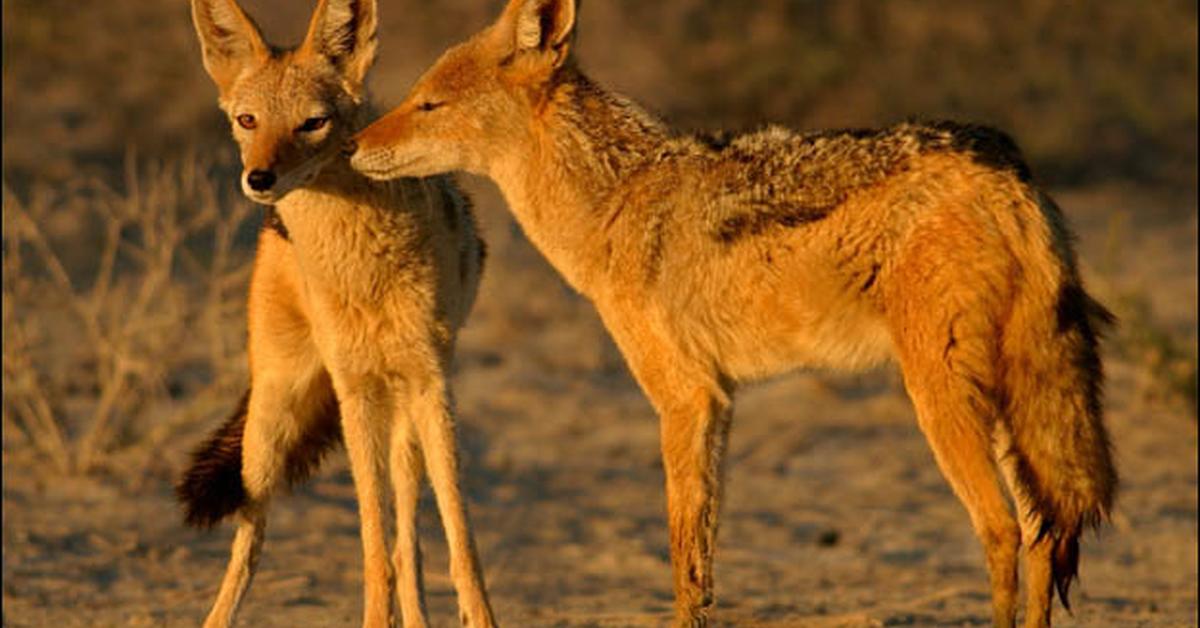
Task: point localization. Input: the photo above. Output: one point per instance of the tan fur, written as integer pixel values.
(357, 295)
(715, 263)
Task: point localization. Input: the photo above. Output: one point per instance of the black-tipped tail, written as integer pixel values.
(1064, 562)
(211, 489)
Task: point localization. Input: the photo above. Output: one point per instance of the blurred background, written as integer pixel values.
(127, 250)
(1093, 90)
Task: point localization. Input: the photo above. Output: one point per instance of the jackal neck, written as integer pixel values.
(604, 134)
(582, 143)
(339, 200)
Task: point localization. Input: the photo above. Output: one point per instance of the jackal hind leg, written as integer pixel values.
(291, 413)
(284, 417)
(432, 414)
(1039, 578)
(1037, 547)
(948, 381)
(961, 445)
(243, 561)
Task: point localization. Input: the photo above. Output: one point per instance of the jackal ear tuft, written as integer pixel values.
(543, 25)
(229, 39)
(343, 31)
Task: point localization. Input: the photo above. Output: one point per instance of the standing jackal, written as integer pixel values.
(358, 291)
(714, 263)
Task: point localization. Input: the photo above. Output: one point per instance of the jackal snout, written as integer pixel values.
(260, 180)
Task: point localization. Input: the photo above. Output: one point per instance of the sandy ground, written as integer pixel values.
(835, 513)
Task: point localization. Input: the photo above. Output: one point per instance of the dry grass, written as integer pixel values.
(1161, 353)
(123, 314)
(1165, 363)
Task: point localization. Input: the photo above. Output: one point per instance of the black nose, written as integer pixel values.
(349, 148)
(260, 180)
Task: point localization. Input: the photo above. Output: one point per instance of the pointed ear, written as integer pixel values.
(229, 39)
(343, 31)
(541, 25)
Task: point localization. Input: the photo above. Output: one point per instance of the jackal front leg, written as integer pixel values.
(365, 403)
(694, 410)
(694, 434)
(407, 467)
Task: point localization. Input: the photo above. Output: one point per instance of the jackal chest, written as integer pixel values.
(361, 249)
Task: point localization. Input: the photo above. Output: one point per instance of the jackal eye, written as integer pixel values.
(313, 124)
(247, 121)
(430, 105)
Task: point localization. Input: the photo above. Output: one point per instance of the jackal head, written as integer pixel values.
(291, 110)
(467, 109)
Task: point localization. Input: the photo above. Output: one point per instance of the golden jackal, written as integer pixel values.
(714, 263)
(358, 291)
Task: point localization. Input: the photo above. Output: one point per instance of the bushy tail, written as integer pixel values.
(1063, 458)
(211, 489)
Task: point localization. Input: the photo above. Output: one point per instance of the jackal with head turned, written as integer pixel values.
(715, 262)
(359, 288)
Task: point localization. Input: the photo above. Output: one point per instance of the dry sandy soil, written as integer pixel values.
(835, 513)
